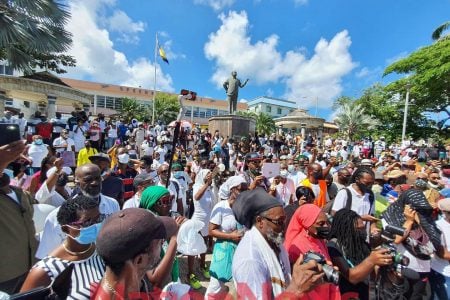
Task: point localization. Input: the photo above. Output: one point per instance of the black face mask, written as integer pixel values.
(362, 234)
(322, 232)
(364, 188)
(317, 176)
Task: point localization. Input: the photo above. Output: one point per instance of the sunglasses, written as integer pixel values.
(87, 223)
(167, 200)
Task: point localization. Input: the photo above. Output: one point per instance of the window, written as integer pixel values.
(109, 102)
(100, 101)
(211, 112)
(118, 103)
(6, 70)
(279, 111)
(187, 113)
(268, 108)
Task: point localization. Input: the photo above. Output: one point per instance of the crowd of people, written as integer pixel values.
(283, 215)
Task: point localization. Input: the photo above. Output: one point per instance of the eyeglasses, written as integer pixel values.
(277, 222)
(87, 223)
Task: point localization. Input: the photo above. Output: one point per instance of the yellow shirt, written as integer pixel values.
(83, 156)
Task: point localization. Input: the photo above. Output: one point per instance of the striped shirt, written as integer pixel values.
(85, 273)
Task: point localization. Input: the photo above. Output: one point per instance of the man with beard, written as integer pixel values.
(261, 265)
(89, 180)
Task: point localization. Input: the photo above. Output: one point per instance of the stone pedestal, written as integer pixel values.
(232, 126)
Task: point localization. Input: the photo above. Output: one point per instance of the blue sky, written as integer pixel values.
(300, 50)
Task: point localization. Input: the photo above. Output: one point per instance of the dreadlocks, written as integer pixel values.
(343, 229)
(360, 171)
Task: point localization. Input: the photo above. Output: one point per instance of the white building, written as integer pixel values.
(272, 106)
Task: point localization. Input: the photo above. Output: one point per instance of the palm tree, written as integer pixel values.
(352, 119)
(264, 122)
(131, 109)
(437, 33)
(166, 108)
(32, 33)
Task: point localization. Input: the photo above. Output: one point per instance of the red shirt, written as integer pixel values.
(44, 129)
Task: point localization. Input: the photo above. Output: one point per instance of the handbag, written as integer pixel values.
(222, 259)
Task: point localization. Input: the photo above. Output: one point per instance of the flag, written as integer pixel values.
(162, 54)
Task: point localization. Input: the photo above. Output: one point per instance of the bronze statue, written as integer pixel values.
(231, 86)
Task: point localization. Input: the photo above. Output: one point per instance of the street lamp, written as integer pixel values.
(405, 113)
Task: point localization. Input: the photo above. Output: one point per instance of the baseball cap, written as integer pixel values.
(123, 158)
(100, 156)
(128, 232)
(365, 162)
(139, 179)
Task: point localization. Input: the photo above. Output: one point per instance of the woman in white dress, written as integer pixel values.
(203, 204)
(79, 136)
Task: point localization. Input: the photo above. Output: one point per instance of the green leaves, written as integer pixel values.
(264, 122)
(32, 31)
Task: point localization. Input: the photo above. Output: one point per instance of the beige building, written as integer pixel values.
(48, 93)
(107, 99)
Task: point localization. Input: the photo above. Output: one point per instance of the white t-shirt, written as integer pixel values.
(37, 153)
(416, 264)
(438, 264)
(133, 202)
(52, 197)
(360, 203)
(284, 191)
(63, 142)
(223, 216)
(52, 235)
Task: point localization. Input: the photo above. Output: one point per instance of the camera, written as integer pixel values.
(387, 238)
(331, 275)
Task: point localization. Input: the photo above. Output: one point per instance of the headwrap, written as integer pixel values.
(416, 200)
(200, 178)
(225, 188)
(297, 239)
(151, 195)
(250, 204)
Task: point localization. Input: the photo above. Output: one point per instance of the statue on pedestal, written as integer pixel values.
(231, 86)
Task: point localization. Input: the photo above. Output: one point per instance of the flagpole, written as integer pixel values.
(154, 81)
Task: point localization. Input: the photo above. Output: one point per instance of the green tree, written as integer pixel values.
(166, 108)
(32, 34)
(131, 109)
(264, 122)
(428, 71)
(437, 33)
(353, 120)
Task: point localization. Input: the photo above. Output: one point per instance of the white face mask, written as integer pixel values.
(284, 173)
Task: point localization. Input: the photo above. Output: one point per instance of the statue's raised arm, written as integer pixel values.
(231, 86)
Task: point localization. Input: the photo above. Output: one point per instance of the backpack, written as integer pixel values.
(348, 204)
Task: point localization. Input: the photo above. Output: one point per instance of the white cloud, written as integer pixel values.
(217, 5)
(98, 60)
(304, 78)
(128, 30)
(370, 74)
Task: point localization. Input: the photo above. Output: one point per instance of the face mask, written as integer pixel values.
(178, 174)
(317, 176)
(88, 235)
(364, 188)
(38, 142)
(421, 184)
(362, 234)
(322, 232)
(291, 168)
(284, 173)
(276, 238)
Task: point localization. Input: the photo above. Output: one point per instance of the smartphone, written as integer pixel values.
(9, 133)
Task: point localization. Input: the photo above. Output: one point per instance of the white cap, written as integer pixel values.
(123, 158)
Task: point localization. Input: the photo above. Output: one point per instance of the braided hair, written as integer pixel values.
(360, 171)
(343, 229)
